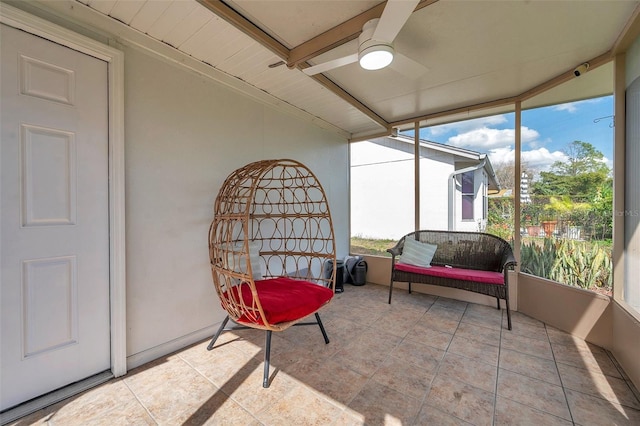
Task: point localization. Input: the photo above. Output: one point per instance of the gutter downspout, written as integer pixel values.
(452, 190)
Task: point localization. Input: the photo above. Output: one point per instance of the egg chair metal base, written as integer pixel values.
(267, 350)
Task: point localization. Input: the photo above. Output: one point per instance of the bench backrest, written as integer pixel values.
(470, 250)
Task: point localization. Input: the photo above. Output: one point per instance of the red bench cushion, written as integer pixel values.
(284, 299)
(487, 277)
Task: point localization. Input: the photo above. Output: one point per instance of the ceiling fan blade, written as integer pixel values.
(408, 67)
(329, 65)
(394, 16)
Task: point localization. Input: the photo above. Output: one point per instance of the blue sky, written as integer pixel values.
(546, 132)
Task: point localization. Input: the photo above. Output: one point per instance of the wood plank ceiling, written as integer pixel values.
(476, 52)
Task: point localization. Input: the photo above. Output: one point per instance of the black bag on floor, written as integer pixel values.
(356, 270)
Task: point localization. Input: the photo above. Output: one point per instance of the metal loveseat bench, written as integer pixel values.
(471, 261)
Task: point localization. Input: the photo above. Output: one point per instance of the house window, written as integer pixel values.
(467, 195)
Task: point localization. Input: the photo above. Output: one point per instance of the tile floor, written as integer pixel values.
(421, 360)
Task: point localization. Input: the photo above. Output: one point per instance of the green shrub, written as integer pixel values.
(570, 262)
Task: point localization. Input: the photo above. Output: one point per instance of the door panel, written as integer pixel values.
(54, 216)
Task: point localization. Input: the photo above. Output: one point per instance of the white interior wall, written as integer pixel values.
(184, 135)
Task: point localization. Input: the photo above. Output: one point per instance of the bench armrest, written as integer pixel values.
(508, 260)
(395, 251)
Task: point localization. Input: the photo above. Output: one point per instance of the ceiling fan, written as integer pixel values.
(375, 43)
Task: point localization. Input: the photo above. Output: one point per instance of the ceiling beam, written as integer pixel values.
(338, 35)
(249, 28)
(344, 95)
(483, 105)
(333, 38)
(225, 12)
(564, 77)
(534, 91)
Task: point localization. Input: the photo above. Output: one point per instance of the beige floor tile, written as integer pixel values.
(219, 409)
(398, 322)
(509, 412)
(300, 406)
(301, 334)
(474, 350)
(529, 365)
(440, 323)
(380, 405)
(368, 351)
(528, 328)
(285, 353)
(330, 378)
(564, 338)
(370, 374)
(461, 400)
(402, 297)
(486, 317)
(430, 416)
(218, 365)
(451, 303)
(425, 356)
(473, 372)
(111, 401)
(590, 357)
(174, 394)
(534, 393)
(405, 377)
(249, 341)
(484, 309)
(597, 384)
(488, 336)
(340, 332)
(361, 315)
(246, 388)
(518, 318)
(445, 311)
(428, 336)
(527, 345)
(590, 410)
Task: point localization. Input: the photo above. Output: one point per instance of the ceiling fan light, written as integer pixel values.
(376, 57)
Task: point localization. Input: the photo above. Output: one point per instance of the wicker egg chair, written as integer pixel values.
(271, 244)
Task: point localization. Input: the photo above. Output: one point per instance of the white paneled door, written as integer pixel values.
(54, 216)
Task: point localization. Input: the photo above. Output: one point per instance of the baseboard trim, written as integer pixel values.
(156, 352)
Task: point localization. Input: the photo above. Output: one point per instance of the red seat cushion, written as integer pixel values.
(487, 277)
(285, 299)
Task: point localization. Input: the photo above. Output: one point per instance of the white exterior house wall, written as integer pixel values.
(382, 189)
(434, 189)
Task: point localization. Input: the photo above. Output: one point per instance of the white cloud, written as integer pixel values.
(541, 159)
(569, 107)
(538, 159)
(468, 125)
(608, 162)
(484, 139)
(501, 155)
(572, 107)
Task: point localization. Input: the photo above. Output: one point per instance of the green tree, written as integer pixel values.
(581, 175)
(583, 158)
(579, 190)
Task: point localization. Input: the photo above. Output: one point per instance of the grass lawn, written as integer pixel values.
(375, 247)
